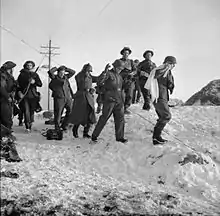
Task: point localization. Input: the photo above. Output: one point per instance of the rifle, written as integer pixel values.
(27, 88)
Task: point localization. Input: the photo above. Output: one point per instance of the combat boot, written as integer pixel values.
(20, 123)
(157, 139)
(122, 140)
(86, 131)
(146, 106)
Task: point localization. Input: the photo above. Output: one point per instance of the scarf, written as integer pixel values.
(152, 83)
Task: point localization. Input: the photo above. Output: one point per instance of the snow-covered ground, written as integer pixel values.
(110, 178)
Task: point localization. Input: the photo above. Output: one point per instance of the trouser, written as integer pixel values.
(99, 101)
(128, 89)
(163, 112)
(28, 107)
(137, 92)
(6, 114)
(109, 108)
(21, 113)
(145, 92)
(100, 98)
(59, 105)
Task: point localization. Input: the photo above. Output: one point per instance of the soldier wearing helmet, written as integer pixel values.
(8, 87)
(113, 101)
(128, 77)
(144, 69)
(166, 85)
(28, 81)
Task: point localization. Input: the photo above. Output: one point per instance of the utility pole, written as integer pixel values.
(50, 53)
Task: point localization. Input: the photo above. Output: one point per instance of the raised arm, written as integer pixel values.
(104, 75)
(70, 73)
(51, 72)
(160, 71)
(170, 82)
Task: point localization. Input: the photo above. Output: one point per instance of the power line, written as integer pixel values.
(25, 42)
(50, 53)
(98, 15)
(167, 132)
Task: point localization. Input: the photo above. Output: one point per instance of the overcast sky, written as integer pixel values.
(189, 30)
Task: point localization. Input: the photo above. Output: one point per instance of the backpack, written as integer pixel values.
(52, 134)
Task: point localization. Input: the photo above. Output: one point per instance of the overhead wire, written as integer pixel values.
(22, 40)
(98, 15)
(36, 50)
(26, 43)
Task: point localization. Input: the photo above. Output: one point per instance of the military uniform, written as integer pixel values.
(83, 111)
(113, 104)
(8, 86)
(129, 80)
(166, 85)
(63, 96)
(31, 97)
(144, 69)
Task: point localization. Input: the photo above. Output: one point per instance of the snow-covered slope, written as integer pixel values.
(74, 177)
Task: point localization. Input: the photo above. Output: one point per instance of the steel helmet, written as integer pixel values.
(170, 59)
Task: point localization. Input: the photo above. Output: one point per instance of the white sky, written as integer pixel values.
(189, 30)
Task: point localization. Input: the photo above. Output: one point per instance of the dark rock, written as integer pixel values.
(175, 102)
(208, 95)
(193, 158)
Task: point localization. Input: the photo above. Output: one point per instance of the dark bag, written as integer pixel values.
(52, 134)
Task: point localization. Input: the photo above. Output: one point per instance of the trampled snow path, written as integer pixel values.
(190, 168)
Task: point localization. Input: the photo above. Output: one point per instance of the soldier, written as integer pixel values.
(83, 111)
(144, 69)
(166, 84)
(137, 89)
(62, 94)
(8, 87)
(28, 81)
(128, 77)
(114, 101)
(20, 105)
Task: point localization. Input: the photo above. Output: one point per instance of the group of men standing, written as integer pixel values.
(23, 90)
(116, 88)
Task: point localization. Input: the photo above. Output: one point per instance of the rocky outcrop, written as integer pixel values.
(173, 102)
(208, 95)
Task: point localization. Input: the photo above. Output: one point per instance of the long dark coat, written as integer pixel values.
(83, 111)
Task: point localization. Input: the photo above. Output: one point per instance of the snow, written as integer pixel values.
(187, 166)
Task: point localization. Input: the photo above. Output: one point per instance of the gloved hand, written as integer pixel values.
(107, 67)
